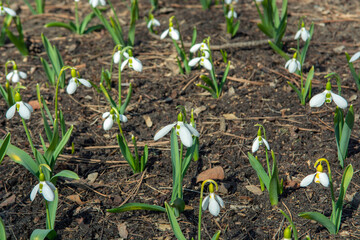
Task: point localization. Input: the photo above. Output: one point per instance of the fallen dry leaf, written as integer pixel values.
(230, 116)
(122, 230)
(34, 104)
(254, 189)
(8, 201)
(212, 173)
(75, 198)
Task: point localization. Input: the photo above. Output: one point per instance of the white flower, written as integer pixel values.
(110, 118)
(328, 96)
(184, 130)
(74, 82)
(4, 10)
(173, 33)
(303, 33)
(203, 48)
(318, 177)
(214, 202)
(153, 22)
(355, 57)
(133, 62)
(259, 141)
(228, 2)
(15, 76)
(231, 13)
(24, 109)
(203, 62)
(45, 188)
(95, 3)
(292, 65)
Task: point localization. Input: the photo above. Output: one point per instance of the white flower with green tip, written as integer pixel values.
(173, 33)
(74, 82)
(110, 117)
(228, 2)
(95, 3)
(231, 14)
(24, 109)
(259, 140)
(355, 57)
(213, 202)
(203, 61)
(133, 62)
(327, 96)
(4, 10)
(318, 177)
(15, 75)
(305, 35)
(293, 64)
(152, 22)
(203, 48)
(183, 130)
(45, 188)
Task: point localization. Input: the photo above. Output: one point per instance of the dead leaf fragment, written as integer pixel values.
(230, 116)
(254, 189)
(212, 173)
(75, 198)
(122, 230)
(34, 104)
(199, 110)
(148, 121)
(8, 201)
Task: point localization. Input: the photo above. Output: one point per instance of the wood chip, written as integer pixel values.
(148, 121)
(92, 177)
(230, 116)
(212, 173)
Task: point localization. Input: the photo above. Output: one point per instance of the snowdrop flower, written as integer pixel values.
(318, 177)
(327, 96)
(259, 140)
(213, 201)
(228, 2)
(74, 82)
(355, 57)
(203, 48)
(45, 188)
(24, 109)
(4, 10)
(183, 130)
(305, 35)
(203, 62)
(231, 14)
(15, 75)
(110, 117)
(95, 3)
(173, 33)
(152, 22)
(292, 65)
(133, 63)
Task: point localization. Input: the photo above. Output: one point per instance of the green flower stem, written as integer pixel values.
(200, 204)
(120, 81)
(180, 175)
(28, 136)
(48, 214)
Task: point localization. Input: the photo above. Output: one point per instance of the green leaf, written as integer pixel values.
(4, 147)
(67, 174)
(216, 235)
(60, 146)
(235, 28)
(136, 206)
(93, 28)
(320, 218)
(352, 70)
(40, 234)
(308, 82)
(279, 51)
(223, 80)
(176, 167)
(127, 100)
(2, 229)
(346, 132)
(273, 190)
(259, 170)
(61, 25)
(294, 231)
(187, 159)
(125, 151)
(306, 46)
(50, 217)
(86, 21)
(144, 158)
(296, 90)
(174, 224)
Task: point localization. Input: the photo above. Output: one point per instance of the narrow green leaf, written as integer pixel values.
(279, 51)
(86, 21)
(259, 170)
(296, 90)
(174, 224)
(308, 82)
(176, 167)
(2, 229)
(125, 151)
(273, 190)
(40, 234)
(4, 146)
(187, 159)
(216, 235)
(52, 211)
(352, 70)
(346, 132)
(67, 174)
(61, 25)
(320, 218)
(294, 231)
(127, 100)
(136, 206)
(60, 146)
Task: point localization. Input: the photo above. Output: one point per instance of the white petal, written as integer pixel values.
(339, 100)
(255, 145)
(116, 57)
(106, 114)
(149, 24)
(103, 2)
(163, 35)
(123, 118)
(34, 192)
(229, 14)
(195, 47)
(156, 22)
(137, 65)
(174, 34)
(71, 88)
(108, 123)
(84, 82)
(47, 192)
(219, 200)
(297, 35)
(51, 185)
(293, 66)
(324, 179)
(165, 130)
(317, 100)
(266, 143)
(126, 55)
(206, 63)
(15, 78)
(307, 180)
(10, 11)
(355, 57)
(10, 113)
(288, 63)
(304, 35)
(298, 65)
(29, 107)
(235, 14)
(185, 136)
(194, 61)
(228, 1)
(124, 64)
(214, 207)
(22, 75)
(9, 76)
(205, 203)
(24, 111)
(192, 130)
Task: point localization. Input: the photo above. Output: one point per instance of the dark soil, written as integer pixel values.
(256, 92)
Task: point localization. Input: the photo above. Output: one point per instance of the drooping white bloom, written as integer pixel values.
(203, 48)
(110, 117)
(292, 65)
(95, 3)
(231, 13)
(183, 130)
(173, 33)
(203, 62)
(24, 109)
(153, 22)
(74, 82)
(133, 62)
(15, 76)
(305, 35)
(228, 2)
(4, 10)
(214, 202)
(257, 142)
(327, 96)
(355, 57)
(318, 177)
(45, 188)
